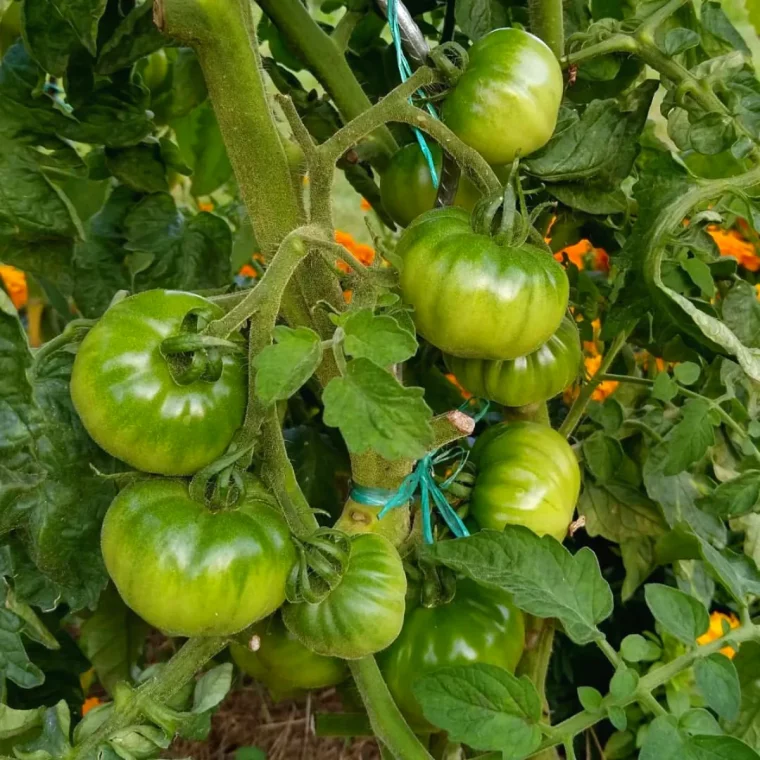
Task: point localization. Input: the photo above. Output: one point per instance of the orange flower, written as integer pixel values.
(364, 253)
(15, 283)
(365, 205)
(453, 380)
(89, 703)
(584, 252)
(206, 206)
(731, 243)
(248, 271)
(715, 631)
(592, 361)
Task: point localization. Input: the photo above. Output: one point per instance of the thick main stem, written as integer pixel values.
(547, 22)
(326, 61)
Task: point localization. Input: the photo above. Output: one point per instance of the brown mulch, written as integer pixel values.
(248, 718)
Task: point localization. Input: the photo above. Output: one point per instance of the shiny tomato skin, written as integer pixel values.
(363, 614)
(283, 664)
(527, 475)
(131, 405)
(407, 189)
(474, 298)
(506, 102)
(480, 625)
(191, 571)
(528, 379)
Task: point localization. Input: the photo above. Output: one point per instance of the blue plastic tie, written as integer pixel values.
(405, 71)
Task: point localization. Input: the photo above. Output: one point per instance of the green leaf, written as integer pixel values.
(135, 37)
(718, 34)
(747, 725)
(212, 688)
(282, 368)
(623, 684)
(690, 439)
(14, 661)
(373, 411)
(49, 494)
(640, 561)
(701, 275)
(112, 639)
(736, 497)
(679, 614)
(591, 699)
(139, 167)
(741, 312)
(617, 717)
(545, 579)
(48, 35)
(679, 41)
(478, 17)
(718, 681)
(17, 722)
(483, 706)
(378, 338)
(737, 573)
(603, 456)
(619, 513)
(53, 741)
(600, 146)
(687, 373)
(664, 741)
(635, 648)
(664, 388)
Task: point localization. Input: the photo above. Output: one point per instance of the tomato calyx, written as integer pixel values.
(222, 484)
(450, 60)
(192, 355)
(322, 561)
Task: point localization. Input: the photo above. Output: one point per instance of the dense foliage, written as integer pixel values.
(503, 452)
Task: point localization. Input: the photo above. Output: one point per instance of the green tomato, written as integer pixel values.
(191, 571)
(407, 190)
(283, 664)
(155, 72)
(478, 626)
(127, 397)
(474, 298)
(507, 100)
(364, 612)
(527, 475)
(528, 379)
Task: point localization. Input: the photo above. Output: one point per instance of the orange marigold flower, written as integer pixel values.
(575, 253)
(715, 631)
(247, 271)
(206, 206)
(731, 243)
(453, 380)
(361, 251)
(89, 704)
(258, 257)
(15, 283)
(365, 205)
(348, 295)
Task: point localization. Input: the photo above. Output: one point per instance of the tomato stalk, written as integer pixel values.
(328, 63)
(547, 22)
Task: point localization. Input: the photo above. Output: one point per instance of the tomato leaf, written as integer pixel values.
(374, 411)
(737, 573)
(478, 17)
(718, 681)
(379, 338)
(282, 368)
(741, 312)
(483, 706)
(603, 456)
(680, 614)
(735, 497)
(545, 579)
(635, 648)
(666, 741)
(746, 726)
(640, 561)
(690, 439)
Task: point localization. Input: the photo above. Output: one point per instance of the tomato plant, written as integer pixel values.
(313, 311)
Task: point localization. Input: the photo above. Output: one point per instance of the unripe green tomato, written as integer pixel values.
(155, 73)
(191, 571)
(528, 379)
(283, 664)
(479, 625)
(474, 298)
(527, 475)
(126, 395)
(407, 190)
(507, 100)
(364, 612)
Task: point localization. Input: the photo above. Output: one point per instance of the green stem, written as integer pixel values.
(178, 671)
(395, 107)
(327, 62)
(547, 22)
(578, 408)
(387, 722)
(619, 43)
(539, 637)
(342, 724)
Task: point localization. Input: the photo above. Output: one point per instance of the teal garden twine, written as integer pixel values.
(422, 479)
(405, 71)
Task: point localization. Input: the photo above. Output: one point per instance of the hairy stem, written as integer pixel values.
(387, 722)
(178, 671)
(326, 60)
(547, 22)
